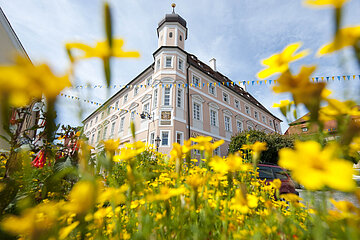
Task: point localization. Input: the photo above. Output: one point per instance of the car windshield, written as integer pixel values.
(265, 172)
(280, 173)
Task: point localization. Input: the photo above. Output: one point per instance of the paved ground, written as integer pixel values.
(308, 195)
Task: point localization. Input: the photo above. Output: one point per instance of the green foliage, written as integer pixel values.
(274, 142)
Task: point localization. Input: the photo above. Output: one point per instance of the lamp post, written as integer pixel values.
(157, 141)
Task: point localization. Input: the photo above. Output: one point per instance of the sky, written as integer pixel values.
(238, 33)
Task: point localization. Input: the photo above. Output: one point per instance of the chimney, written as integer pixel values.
(212, 63)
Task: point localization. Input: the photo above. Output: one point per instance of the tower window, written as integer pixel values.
(180, 38)
(170, 35)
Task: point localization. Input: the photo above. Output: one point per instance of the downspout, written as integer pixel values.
(188, 99)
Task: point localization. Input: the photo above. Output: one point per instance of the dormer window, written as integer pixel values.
(180, 38)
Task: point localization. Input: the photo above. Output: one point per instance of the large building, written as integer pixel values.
(178, 97)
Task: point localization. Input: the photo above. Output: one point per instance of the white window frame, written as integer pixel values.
(116, 105)
(228, 97)
(92, 138)
(237, 104)
(181, 138)
(96, 119)
(132, 115)
(148, 81)
(237, 126)
(169, 96)
(158, 64)
(125, 98)
(148, 108)
(91, 123)
(182, 61)
(216, 117)
(112, 130)
(200, 110)
(98, 136)
(264, 119)
(104, 133)
(169, 138)
(156, 93)
(198, 78)
(217, 151)
(136, 91)
(152, 140)
(181, 95)
(230, 127)
(247, 110)
(271, 123)
(212, 86)
(122, 122)
(171, 63)
(256, 115)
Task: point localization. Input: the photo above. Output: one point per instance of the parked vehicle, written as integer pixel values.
(271, 172)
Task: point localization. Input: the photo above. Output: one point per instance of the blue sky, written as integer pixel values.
(237, 33)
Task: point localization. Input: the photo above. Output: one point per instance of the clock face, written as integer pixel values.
(166, 115)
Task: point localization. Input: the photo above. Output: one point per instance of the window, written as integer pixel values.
(91, 123)
(136, 91)
(116, 105)
(237, 104)
(263, 119)
(239, 126)
(168, 62)
(112, 128)
(227, 123)
(304, 129)
(92, 138)
(212, 89)
(217, 151)
(170, 34)
(256, 115)
(250, 128)
(197, 108)
(109, 109)
(121, 127)
(179, 137)
(96, 119)
(165, 138)
(247, 110)
(155, 97)
(196, 81)
(152, 138)
(98, 136)
(104, 134)
(179, 98)
(226, 97)
(167, 96)
(146, 108)
(180, 37)
(213, 118)
(181, 64)
(125, 98)
(148, 81)
(132, 116)
(86, 125)
(271, 123)
(158, 64)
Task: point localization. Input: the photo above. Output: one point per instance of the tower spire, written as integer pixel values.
(173, 5)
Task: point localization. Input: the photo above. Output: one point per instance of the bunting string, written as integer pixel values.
(231, 83)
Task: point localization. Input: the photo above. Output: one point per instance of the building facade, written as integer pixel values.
(178, 97)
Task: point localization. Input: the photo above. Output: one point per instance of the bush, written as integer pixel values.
(274, 142)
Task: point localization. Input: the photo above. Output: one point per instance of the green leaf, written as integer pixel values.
(108, 25)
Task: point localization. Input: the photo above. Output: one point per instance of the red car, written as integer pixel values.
(271, 172)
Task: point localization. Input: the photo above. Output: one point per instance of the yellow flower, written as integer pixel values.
(111, 145)
(315, 168)
(219, 165)
(276, 183)
(321, 3)
(284, 105)
(64, 232)
(131, 151)
(23, 81)
(279, 63)
(242, 202)
(354, 147)
(82, 197)
(102, 50)
(345, 37)
(166, 193)
(236, 163)
(336, 108)
(196, 180)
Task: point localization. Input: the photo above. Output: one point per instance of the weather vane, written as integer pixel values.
(173, 6)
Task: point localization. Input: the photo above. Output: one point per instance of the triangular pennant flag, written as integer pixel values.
(274, 81)
(344, 77)
(248, 82)
(265, 81)
(316, 78)
(270, 82)
(252, 82)
(257, 82)
(227, 83)
(348, 77)
(327, 79)
(313, 79)
(322, 79)
(338, 78)
(333, 78)
(354, 77)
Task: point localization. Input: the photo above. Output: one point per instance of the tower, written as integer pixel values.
(172, 30)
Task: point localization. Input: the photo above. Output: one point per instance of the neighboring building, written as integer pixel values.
(301, 126)
(184, 98)
(9, 47)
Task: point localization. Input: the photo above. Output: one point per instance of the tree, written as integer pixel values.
(274, 143)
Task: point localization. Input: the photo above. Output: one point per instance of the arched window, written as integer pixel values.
(170, 35)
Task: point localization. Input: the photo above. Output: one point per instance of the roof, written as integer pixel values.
(175, 18)
(193, 60)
